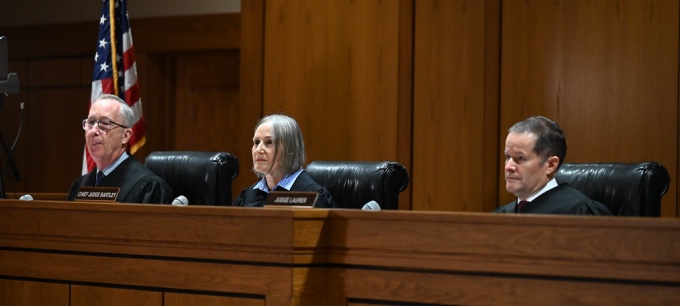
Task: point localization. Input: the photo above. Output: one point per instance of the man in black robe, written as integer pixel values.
(534, 150)
(107, 134)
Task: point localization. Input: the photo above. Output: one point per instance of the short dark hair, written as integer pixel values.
(288, 141)
(550, 140)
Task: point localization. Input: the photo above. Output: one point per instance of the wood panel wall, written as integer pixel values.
(455, 101)
(606, 71)
(37, 293)
(342, 69)
(431, 84)
(334, 66)
(188, 71)
(172, 256)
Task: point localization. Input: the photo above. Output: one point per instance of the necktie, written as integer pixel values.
(520, 205)
(100, 176)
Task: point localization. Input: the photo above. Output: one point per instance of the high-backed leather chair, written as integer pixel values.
(205, 178)
(628, 189)
(355, 183)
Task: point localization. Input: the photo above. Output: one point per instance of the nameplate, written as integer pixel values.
(100, 194)
(302, 199)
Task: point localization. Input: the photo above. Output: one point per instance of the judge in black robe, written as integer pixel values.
(137, 184)
(254, 197)
(561, 200)
(534, 151)
(278, 154)
(107, 135)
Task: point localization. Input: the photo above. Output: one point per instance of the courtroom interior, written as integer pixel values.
(405, 104)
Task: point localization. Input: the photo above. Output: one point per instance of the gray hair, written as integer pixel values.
(126, 111)
(550, 140)
(288, 141)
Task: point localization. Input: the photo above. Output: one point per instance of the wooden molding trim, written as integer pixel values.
(161, 34)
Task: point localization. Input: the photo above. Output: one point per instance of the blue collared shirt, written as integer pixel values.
(285, 183)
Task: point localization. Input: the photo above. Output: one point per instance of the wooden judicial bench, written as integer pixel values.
(79, 253)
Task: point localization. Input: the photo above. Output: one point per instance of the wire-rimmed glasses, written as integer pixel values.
(104, 125)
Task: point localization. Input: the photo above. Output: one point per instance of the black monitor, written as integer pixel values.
(9, 82)
(4, 71)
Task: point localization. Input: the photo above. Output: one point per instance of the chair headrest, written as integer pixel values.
(355, 183)
(628, 189)
(205, 178)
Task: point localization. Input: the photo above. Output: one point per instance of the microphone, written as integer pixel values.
(372, 205)
(180, 201)
(26, 197)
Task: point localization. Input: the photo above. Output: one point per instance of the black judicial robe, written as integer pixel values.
(561, 200)
(137, 184)
(250, 197)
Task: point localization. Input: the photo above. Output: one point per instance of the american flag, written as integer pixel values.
(119, 77)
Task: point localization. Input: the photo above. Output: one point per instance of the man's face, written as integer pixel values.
(106, 145)
(525, 174)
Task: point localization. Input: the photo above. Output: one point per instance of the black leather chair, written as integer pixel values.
(355, 183)
(205, 178)
(628, 189)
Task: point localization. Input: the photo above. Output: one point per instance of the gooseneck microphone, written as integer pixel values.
(180, 201)
(26, 197)
(372, 205)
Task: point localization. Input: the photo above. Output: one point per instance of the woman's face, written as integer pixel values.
(264, 150)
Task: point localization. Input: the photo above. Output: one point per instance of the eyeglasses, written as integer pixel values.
(104, 125)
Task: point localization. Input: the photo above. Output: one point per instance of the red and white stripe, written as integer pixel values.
(132, 97)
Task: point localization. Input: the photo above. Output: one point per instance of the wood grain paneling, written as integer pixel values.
(334, 66)
(573, 260)
(102, 296)
(183, 299)
(160, 34)
(146, 274)
(187, 33)
(171, 239)
(386, 287)
(342, 69)
(251, 89)
(206, 102)
(207, 113)
(133, 254)
(431, 84)
(19, 292)
(405, 95)
(154, 260)
(57, 196)
(606, 71)
(157, 83)
(190, 63)
(588, 247)
(53, 163)
(451, 121)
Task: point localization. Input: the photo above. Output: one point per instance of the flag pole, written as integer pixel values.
(114, 62)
